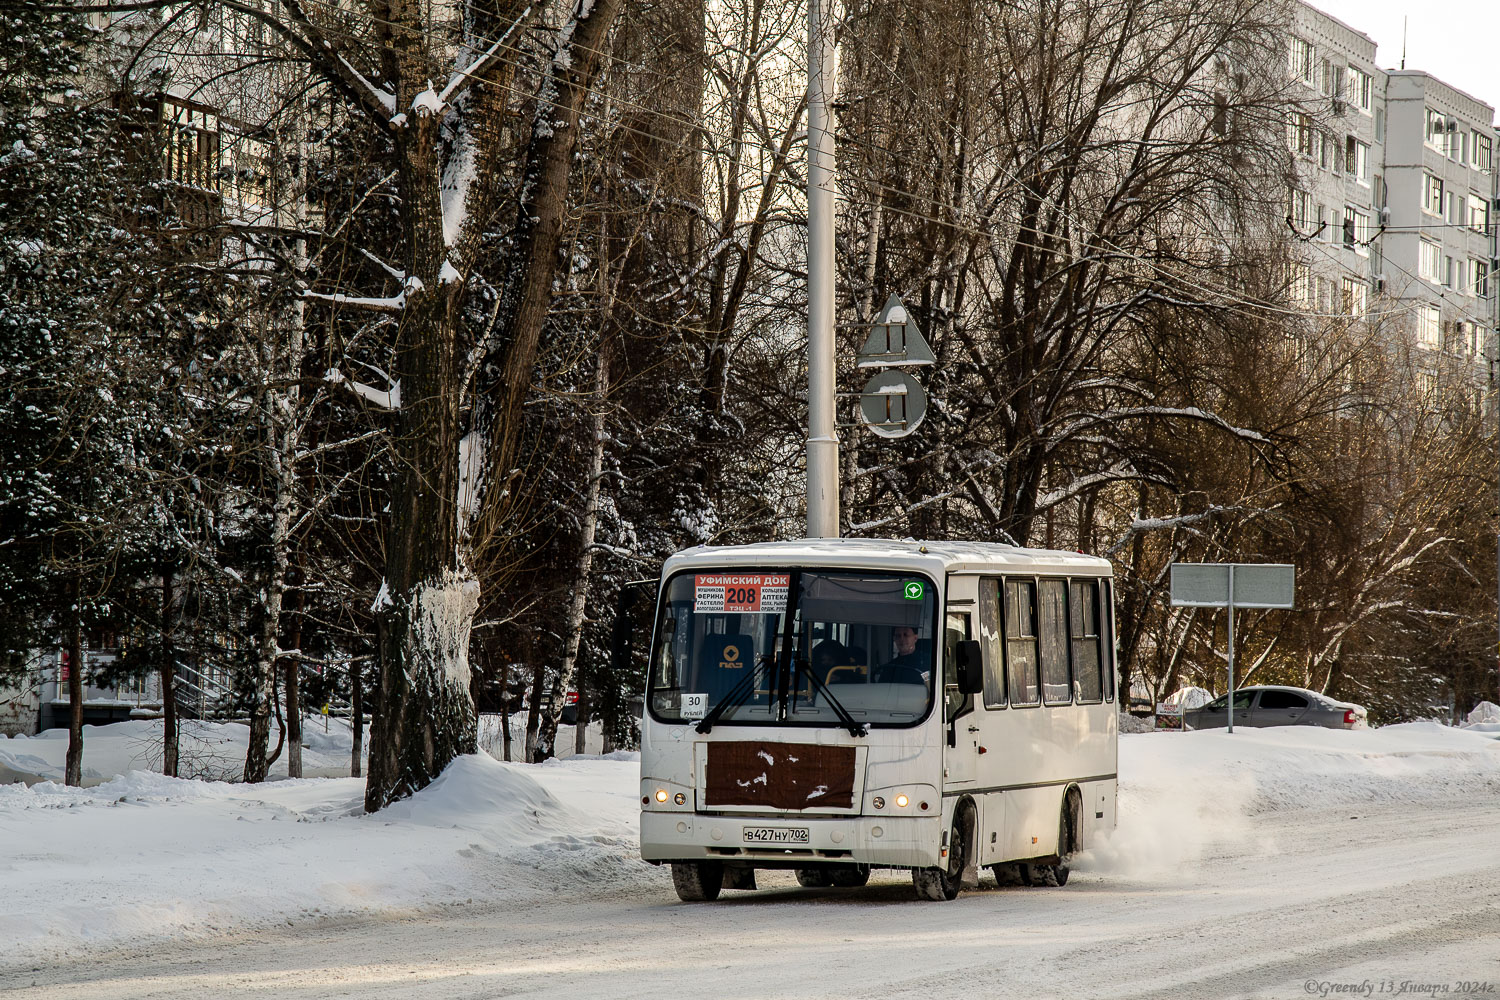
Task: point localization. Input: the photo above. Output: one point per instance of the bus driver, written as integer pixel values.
(907, 666)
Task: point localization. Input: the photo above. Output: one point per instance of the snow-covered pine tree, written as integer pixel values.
(79, 308)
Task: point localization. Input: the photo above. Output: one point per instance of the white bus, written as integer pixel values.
(836, 705)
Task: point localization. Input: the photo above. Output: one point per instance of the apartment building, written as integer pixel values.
(1393, 198)
(1336, 132)
(1440, 236)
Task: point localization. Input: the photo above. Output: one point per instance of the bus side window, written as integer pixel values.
(992, 642)
(1107, 636)
(1020, 643)
(1052, 617)
(1083, 609)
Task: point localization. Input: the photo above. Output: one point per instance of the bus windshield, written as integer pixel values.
(789, 646)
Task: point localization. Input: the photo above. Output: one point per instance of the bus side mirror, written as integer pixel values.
(622, 641)
(969, 660)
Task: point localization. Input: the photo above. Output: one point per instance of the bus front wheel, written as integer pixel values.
(938, 884)
(697, 881)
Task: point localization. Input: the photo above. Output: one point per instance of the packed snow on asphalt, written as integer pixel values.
(1271, 863)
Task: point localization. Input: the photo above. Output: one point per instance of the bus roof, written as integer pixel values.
(905, 553)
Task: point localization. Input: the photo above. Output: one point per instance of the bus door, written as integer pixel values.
(961, 756)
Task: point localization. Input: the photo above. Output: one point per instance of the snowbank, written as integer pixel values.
(1486, 713)
(143, 856)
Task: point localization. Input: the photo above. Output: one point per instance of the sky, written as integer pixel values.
(1454, 40)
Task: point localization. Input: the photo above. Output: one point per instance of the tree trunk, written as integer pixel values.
(356, 718)
(581, 727)
(534, 711)
(294, 695)
(281, 446)
(73, 773)
(573, 627)
(426, 716)
(167, 671)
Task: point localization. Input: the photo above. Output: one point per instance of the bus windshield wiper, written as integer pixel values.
(855, 728)
(733, 699)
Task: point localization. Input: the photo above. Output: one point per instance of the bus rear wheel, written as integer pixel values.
(697, 881)
(1054, 875)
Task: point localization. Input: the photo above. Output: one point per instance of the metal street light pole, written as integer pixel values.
(822, 438)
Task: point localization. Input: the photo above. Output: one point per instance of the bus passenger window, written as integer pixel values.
(990, 641)
(1020, 642)
(1057, 686)
(1083, 610)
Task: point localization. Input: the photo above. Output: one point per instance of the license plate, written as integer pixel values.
(775, 834)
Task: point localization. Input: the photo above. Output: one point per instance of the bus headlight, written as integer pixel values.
(902, 802)
(661, 795)
(878, 802)
(680, 799)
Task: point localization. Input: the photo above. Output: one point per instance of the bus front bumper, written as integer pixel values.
(903, 841)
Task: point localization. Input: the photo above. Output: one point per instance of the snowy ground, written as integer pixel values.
(1250, 864)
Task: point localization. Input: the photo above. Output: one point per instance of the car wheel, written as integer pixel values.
(697, 881)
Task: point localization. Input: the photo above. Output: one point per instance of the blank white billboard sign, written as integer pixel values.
(1256, 585)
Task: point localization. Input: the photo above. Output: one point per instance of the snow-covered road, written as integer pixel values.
(1315, 896)
(1275, 863)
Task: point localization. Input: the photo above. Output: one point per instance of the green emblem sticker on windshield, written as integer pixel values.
(913, 591)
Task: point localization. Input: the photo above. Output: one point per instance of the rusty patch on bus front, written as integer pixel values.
(780, 775)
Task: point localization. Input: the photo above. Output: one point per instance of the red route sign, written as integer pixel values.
(741, 592)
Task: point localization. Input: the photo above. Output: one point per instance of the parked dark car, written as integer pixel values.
(1260, 707)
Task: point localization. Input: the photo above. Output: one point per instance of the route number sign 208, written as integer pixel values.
(741, 595)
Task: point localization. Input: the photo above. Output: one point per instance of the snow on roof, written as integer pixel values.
(950, 556)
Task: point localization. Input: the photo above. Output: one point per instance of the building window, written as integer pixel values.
(1356, 297)
(1300, 209)
(1479, 213)
(1300, 133)
(1435, 132)
(1358, 82)
(1356, 230)
(1432, 195)
(1457, 209)
(1430, 328)
(1481, 147)
(1300, 291)
(1322, 230)
(1431, 263)
(1325, 153)
(1327, 295)
(1479, 278)
(191, 145)
(1357, 160)
(1379, 125)
(1448, 271)
(1301, 60)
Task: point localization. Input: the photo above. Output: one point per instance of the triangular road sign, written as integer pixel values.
(895, 340)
